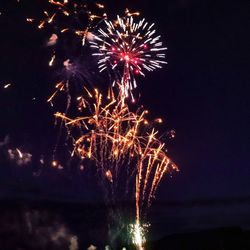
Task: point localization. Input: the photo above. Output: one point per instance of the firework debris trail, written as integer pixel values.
(120, 142)
(69, 24)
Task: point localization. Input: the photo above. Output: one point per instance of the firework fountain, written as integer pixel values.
(124, 147)
(122, 143)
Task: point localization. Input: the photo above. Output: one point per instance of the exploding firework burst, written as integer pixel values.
(123, 146)
(128, 47)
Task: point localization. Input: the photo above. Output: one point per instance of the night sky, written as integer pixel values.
(202, 94)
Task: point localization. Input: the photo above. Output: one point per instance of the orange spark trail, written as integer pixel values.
(120, 143)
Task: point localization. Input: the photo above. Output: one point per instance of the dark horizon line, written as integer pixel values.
(26, 198)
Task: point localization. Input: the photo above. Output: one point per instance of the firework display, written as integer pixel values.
(128, 47)
(122, 144)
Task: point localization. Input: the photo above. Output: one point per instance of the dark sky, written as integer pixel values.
(203, 94)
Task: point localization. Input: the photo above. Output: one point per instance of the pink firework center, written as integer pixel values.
(128, 48)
